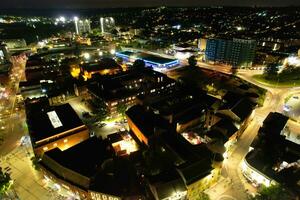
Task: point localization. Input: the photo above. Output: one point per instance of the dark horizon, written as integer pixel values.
(103, 4)
(49, 12)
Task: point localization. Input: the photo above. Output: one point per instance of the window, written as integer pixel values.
(45, 148)
(65, 140)
(55, 144)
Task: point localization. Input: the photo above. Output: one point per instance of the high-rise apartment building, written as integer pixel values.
(107, 24)
(236, 52)
(82, 26)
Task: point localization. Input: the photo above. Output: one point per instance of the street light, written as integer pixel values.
(112, 51)
(86, 56)
(62, 19)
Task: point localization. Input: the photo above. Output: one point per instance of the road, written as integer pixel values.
(237, 187)
(12, 119)
(12, 125)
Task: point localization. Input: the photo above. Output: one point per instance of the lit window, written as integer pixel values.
(65, 140)
(55, 144)
(45, 148)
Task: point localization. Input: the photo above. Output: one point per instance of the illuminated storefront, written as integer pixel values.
(253, 175)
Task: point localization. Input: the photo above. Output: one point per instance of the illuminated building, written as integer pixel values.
(156, 62)
(236, 52)
(272, 157)
(191, 159)
(180, 107)
(53, 127)
(105, 66)
(167, 186)
(31, 89)
(202, 44)
(86, 169)
(15, 43)
(123, 143)
(123, 88)
(107, 24)
(82, 26)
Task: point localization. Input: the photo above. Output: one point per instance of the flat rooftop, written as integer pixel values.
(45, 122)
(105, 63)
(84, 158)
(145, 120)
(147, 57)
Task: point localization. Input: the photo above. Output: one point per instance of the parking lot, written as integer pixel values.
(292, 107)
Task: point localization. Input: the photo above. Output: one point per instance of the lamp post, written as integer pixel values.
(76, 25)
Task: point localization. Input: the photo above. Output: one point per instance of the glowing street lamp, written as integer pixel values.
(86, 56)
(62, 19)
(112, 51)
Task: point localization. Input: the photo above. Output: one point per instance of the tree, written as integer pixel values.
(5, 182)
(119, 60)
(271, 70)
(138, 64)
(274, 192)
(100, 109)
(192, 61)
(121, 109)
(203, 196)
(35, 163)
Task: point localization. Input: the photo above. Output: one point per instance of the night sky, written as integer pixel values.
(138, 3)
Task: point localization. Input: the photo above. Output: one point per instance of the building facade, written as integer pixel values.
(236, 52)
(82, 26)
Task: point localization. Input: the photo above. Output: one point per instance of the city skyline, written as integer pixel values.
(177, 103)
(76, 4)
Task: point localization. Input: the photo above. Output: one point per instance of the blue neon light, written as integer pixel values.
(150, 62)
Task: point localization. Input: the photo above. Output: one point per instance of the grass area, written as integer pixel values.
(276, 81)
(286, 99)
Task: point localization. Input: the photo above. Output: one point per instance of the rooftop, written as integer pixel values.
(274, 123)
(147, 57)
(47, 121)
(146, 121)
(85, 158)
(105, 63)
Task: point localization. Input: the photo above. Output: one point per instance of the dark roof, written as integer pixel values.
(274, 123)
(145, 120)
(115, 87)
(243, 108)
(178, 103)
(184, 149)
(196, 171)
(226, 126)
(257, 159)
(118, 178)
(166, 183)
(290, 177)
(29, 83)
(40, 126)
(216, 134)
(115, 137)
(232, 98)
(84, 158)
(105, 63)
